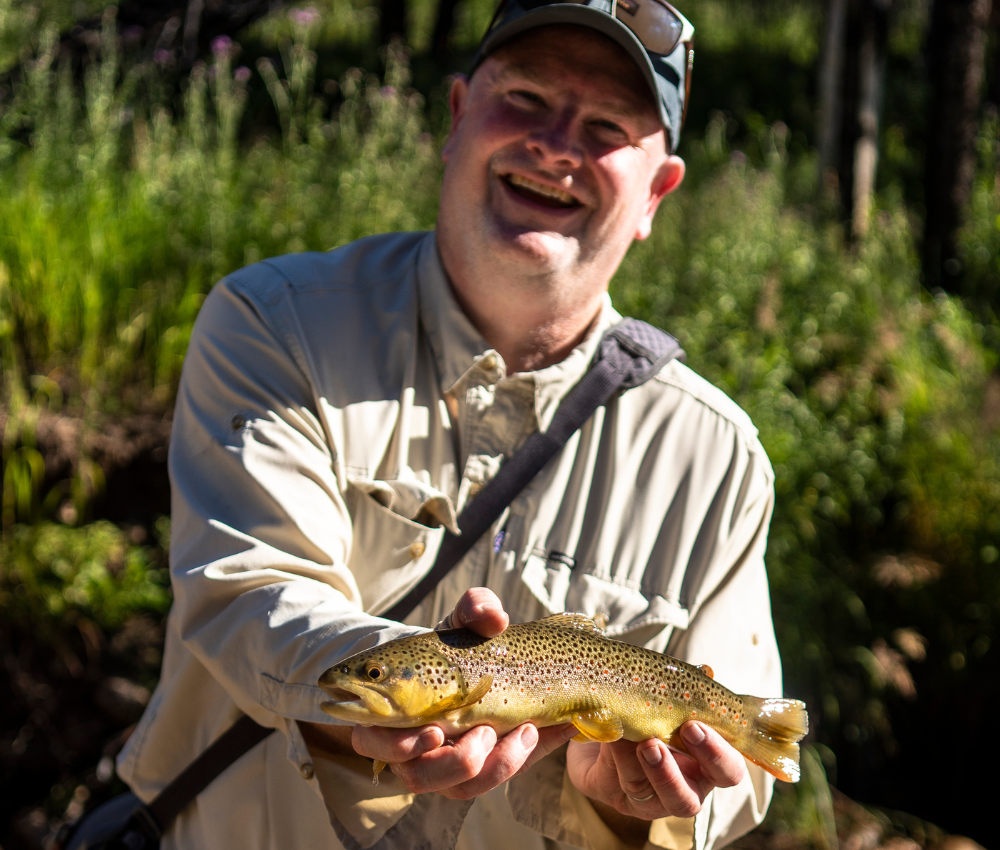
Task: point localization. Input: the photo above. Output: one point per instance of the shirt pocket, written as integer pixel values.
(560, 584)
(389, 552)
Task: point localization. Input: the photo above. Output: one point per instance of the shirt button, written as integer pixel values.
(237, 422)
(416, 550)
(307, 771)
(489, 362)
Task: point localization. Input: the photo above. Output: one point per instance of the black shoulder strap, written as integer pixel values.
(629, 354)
(153, 818)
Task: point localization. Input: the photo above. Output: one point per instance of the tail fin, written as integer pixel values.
(780, 725)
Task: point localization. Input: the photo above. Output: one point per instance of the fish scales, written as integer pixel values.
(559, 669)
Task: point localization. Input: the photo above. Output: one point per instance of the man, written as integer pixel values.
(338, 410)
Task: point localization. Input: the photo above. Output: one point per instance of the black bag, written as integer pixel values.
(111, 826)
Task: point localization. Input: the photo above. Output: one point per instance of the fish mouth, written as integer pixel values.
(339, 696)
(548, 196)
(356, 699)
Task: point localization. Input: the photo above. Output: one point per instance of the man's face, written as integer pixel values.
(556, 159)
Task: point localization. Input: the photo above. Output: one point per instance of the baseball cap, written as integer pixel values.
(657, 37)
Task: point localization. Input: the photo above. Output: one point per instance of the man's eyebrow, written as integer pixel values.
(632, 109)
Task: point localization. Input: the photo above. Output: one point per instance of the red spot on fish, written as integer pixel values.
(711, 705)
(687, 695)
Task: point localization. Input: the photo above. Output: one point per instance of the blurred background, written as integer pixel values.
(832, 262)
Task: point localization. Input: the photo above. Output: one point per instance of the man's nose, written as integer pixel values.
(557, 141)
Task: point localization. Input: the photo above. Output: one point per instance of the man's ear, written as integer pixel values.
(668, 177)
(457, 100)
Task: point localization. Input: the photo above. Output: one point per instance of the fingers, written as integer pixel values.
(395, 745)
(480, 610)
(649, 780)
(720, 764)
(673, 792)
(454, 763)
(467, 767)
(501, 763)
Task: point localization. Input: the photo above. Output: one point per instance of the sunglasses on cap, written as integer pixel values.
(656, 25)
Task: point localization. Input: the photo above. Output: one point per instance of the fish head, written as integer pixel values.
(400, 683)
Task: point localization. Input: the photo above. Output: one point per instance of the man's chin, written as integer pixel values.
(539, 251)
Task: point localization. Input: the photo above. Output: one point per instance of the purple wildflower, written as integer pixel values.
(161, 56)
(304, 17)
(221, 45)
(242, 74)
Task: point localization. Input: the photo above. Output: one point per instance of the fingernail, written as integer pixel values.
(693, 734)
(427, 741)
(652, 755)
(529, 736)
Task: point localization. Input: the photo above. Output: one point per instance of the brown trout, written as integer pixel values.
(560, 669)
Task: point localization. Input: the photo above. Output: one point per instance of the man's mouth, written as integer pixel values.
(548, 196)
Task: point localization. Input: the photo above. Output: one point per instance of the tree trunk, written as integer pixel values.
(852, 84)
(871, 86)
(392, 21)
(443, 25)
(830, 86)
(956, 55)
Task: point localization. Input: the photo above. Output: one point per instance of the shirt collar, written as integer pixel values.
(458, 347)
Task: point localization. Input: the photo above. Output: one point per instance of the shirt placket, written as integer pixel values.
(495, 415)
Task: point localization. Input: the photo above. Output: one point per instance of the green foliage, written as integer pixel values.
(52, 576)
(118, 215)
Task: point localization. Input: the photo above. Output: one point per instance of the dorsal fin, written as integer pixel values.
(573, 621)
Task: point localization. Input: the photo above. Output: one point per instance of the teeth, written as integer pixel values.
(538, 188)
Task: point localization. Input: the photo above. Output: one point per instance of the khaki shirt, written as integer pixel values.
(336, 412)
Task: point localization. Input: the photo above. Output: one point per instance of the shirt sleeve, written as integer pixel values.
(261, 535)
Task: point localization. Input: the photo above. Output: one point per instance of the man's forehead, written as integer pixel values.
(550, 54)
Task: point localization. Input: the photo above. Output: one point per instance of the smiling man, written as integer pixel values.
(338, 410)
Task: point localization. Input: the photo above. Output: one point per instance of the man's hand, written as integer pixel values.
(477, 761)
(649, 780)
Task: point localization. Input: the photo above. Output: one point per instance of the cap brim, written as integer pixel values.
(585, 16)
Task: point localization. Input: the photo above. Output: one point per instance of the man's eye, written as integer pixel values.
(610, 127)
(527, 97)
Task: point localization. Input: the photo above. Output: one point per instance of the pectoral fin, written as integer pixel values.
(600, 726)
(378, 767)
(478, 692)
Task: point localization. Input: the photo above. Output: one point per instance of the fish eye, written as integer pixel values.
(375, 673)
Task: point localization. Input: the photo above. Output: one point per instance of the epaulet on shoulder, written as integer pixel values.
(357, 263)
(676, 374)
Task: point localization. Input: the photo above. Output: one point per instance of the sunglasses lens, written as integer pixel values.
(656, 26)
